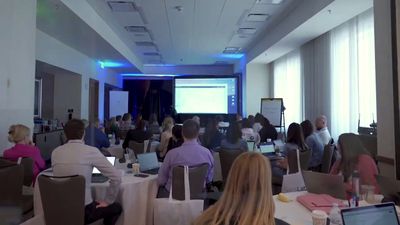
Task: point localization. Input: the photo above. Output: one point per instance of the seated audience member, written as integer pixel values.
(248, 133)
(355, 157)
(24, 147)
(212, 137)
(153, 126)
(239, 119)
(247, 197)
(96, 137)
(295, 140)
(114, 129)
(176, 140)
(258, 122)
(191, 153)
(139, 117)
(233, 138)
(126, 122)
(314, 143)
(267, 131)
(74, 158)
(197, 119)
(250, 118)
(322, 129)
(166, 134)
(139, 134)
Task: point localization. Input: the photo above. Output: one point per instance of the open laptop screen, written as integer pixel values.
(148, 161)
(371, 215)
(111, 159)
(267, 148)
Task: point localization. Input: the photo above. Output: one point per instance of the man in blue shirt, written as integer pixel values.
(191, 153)
(96, 137)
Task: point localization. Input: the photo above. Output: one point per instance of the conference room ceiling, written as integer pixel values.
(191, 31)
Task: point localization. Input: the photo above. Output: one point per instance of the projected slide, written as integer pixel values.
(206, 95)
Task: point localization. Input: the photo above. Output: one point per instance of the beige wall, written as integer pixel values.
(257, 86)
(67, 95)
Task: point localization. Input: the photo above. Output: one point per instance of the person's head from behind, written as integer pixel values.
(233, 133)
(212, 125)
(197, 119)
(190, 130)
(247, 197)
(140, 125)
(139, 116)
(168, 123)
(307, 128)
(295, 135)
(74, 129)
(118, 118)
(250, 118)
(19, 134)
(320, 122)
(246, 124)
(350, 148)
(238, 117)
(259, 118)
(127, 117)
(177, 132)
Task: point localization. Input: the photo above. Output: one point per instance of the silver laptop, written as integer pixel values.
(148, 163)
(321, 183)
(97, 177)
(381, 214)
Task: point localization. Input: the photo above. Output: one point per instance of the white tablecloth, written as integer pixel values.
(136, 197)
(292, 212)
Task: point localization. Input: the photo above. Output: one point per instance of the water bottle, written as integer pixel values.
(334, 215)
(355, 179)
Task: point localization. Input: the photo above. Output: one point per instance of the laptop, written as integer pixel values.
(97, 177)
(148, 163)
(321, 183)
(381, 214)
(267, 148)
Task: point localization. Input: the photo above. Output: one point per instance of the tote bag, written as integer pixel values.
(168, 211)
(293, 182)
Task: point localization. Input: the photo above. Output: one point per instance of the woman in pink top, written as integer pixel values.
(355, 157)
(24, 147)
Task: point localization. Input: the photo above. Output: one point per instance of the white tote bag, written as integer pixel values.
(168, 211)
(293, 182)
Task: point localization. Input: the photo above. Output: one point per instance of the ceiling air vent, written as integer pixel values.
(145, 44)
(257, 17)
(151, 54)
(275, 2)
(136, 29)
(122, 6)
(247, 30)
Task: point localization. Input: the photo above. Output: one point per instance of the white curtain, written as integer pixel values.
(353, 92)
(287, 85)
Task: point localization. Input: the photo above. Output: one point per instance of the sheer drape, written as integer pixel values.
(287, 85)
(353, 92)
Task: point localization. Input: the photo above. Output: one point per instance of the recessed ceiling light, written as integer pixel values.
(257, 17)
(247, 30)
(232, 48)
(122, 6)
(275, 2)
(230, 51)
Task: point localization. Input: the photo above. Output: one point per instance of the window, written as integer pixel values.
(353, 91)
(287, 85)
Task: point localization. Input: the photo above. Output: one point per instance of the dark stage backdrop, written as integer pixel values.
(149, 96)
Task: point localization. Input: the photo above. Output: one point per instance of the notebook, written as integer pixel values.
(381, 214)
(97, 177)
(148, 163)
(322, 202)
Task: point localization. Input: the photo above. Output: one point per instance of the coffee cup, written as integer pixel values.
(135, 168)
(319, 217)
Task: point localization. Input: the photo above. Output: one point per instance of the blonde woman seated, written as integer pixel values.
(166, 134)
(247, 198)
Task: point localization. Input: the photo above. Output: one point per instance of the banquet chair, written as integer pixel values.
(304, 160)
(321, 183)
(138, 148)
(197, 180)
(11, 191)
(27, 165)
(327, 157)
(63, 199)
(227, 157)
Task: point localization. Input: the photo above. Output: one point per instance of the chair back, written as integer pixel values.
(327, 157)
(227, 157)
(321, 183)
(388, 186)
(304, 160)
(138, 148)
(63, 199)
(11, 187)
(197, 181)
(27, 164)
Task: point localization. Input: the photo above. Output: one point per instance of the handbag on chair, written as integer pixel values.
(293, 182)
(168, 211)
